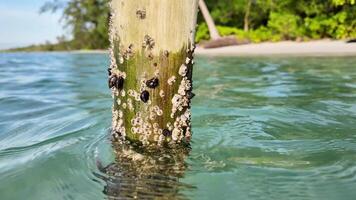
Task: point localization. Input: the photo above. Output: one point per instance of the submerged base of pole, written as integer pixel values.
(144, 173)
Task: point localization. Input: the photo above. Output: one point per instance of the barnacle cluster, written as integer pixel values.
(148, 42)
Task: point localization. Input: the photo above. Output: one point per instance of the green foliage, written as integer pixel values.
(262, 34)
(272, 20)
(226, 31)
(268, 20)
(202, 32)
(343, 2)
(284, 24)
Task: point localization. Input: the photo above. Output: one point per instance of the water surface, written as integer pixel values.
(264, 128)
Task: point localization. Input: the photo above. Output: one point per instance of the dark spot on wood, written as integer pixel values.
(152, 83)
(141, 14)
(131, 46)
(155, 64)
(166, 132)
(166, 53)
(150, 56)
(145, 96)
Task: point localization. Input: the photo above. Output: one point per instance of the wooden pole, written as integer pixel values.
(152, 45)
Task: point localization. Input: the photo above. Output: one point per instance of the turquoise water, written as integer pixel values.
(264, 128)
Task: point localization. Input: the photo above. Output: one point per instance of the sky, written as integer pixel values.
(21, 23)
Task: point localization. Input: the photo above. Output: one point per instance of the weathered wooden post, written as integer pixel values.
(152, 45)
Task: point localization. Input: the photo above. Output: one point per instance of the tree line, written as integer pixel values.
(252, 20)
(275, 20)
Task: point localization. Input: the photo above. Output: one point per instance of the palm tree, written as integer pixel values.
(214, 34)
(247, 15)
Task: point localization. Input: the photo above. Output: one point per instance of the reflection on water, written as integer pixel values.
(263, 128)
(145, 173)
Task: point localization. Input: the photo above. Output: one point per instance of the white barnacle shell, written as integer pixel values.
(175, 134)
(181, 90)
(131, 93)
(161, 138)
(123, 75)
(175, 100)
(180, 108)
(123, 93)
(152, 115)
(134, 130)
(137, 97)
(155, 125)
(120, 114)
(157, 73)
(120, 122)
(183, 70)
(187, 60)
(159, 112)
(156, 138)
(118, 101)
(161, 93)
(130, 105)
(183, 118)
(121, 59)
(169, 126)
(171, 80)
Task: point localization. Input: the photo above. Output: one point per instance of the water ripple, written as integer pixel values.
(264, 128)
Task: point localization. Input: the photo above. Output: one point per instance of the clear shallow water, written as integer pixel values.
(264, 128)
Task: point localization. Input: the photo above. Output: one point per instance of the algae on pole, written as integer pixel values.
(152, 46)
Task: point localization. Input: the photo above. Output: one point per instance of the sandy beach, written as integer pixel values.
(285, 48)
(312, 48)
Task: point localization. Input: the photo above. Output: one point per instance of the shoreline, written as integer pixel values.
(284, 48)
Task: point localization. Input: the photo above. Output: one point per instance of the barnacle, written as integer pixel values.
(171, 80)
(148, 42)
